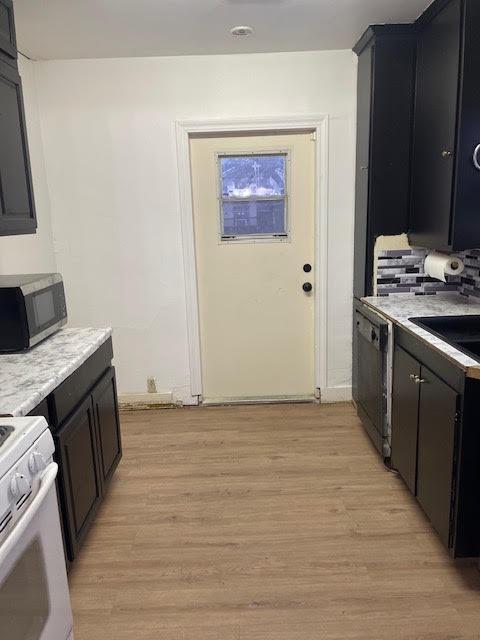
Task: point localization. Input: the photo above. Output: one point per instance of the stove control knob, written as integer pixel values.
(36, 462)
(19, 485)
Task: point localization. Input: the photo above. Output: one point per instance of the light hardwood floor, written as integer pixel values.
(264, 523)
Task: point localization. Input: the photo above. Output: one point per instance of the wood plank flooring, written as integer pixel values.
(264, 523)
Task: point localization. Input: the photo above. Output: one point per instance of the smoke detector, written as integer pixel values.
(241, 30)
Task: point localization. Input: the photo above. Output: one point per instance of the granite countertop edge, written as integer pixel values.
(25, 393)
(458, 358)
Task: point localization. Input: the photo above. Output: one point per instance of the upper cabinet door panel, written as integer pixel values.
(364, 100)
(391, 135)
(466, 218)
(7, 29)
(438, 66)
(17, 211)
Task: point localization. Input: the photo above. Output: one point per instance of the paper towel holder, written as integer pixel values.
(455, 265)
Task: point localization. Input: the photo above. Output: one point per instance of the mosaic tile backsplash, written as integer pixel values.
(402, 271)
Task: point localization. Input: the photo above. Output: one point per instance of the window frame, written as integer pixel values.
(254, 237)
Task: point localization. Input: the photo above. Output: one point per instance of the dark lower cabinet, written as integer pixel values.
(437, 422)
(89, 448)
(83, 416)
(76, 445)
(108, 425)
(436, 441)
(405, 399)
(424, 423)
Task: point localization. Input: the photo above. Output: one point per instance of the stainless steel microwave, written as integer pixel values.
(32, 307)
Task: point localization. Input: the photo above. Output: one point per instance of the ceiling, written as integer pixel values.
(58, 29)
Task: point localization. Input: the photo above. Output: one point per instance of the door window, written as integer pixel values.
(24, 600)
(253, 196)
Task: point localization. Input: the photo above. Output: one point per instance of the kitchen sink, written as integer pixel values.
(462, 332)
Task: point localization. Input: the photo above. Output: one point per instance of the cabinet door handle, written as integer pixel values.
(446, 153)
(419, 380)
(476, 163)
(413, 377)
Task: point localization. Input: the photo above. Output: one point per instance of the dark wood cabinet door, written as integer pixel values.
(8, 45)
(436, 444)
(108, 425)
(17, 209)
(405, 398)
(466, 227)
(438, 68)
(80, 482)
(364, 104)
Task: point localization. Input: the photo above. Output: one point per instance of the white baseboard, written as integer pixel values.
(336, 394)
(152, 400)
(257, 400)
(146, 398)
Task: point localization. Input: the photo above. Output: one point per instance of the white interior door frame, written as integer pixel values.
(319, 125)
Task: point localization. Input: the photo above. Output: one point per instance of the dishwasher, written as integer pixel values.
(371, 376)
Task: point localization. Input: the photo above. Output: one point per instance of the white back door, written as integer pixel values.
(253, 200)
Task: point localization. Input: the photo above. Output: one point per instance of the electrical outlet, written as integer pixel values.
(151, 385)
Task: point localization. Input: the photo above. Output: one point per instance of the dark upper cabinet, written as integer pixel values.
(17, 209)
(385, 99)
(108, 425)
(8, 45)
(405, 397)
(446, 180)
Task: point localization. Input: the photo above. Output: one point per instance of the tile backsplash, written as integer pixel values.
(470, 278)
(403, 271)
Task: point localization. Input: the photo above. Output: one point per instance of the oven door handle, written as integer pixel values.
(48, 478)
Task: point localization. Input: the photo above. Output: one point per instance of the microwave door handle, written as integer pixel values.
(8, 545)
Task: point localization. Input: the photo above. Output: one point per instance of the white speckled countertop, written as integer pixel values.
(399, 307)
(27, 378)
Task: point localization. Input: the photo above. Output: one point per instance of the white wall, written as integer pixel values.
(31, 253)
(109, 142)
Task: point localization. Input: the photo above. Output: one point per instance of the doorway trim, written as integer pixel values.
(318, 124)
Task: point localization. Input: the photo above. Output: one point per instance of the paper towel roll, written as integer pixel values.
(441, 265)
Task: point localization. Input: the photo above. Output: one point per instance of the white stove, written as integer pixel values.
(34, 598)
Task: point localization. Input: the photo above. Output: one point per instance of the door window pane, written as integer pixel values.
(253, 195)
(260, 217)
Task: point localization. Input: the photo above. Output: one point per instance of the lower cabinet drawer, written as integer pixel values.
(71, 392)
